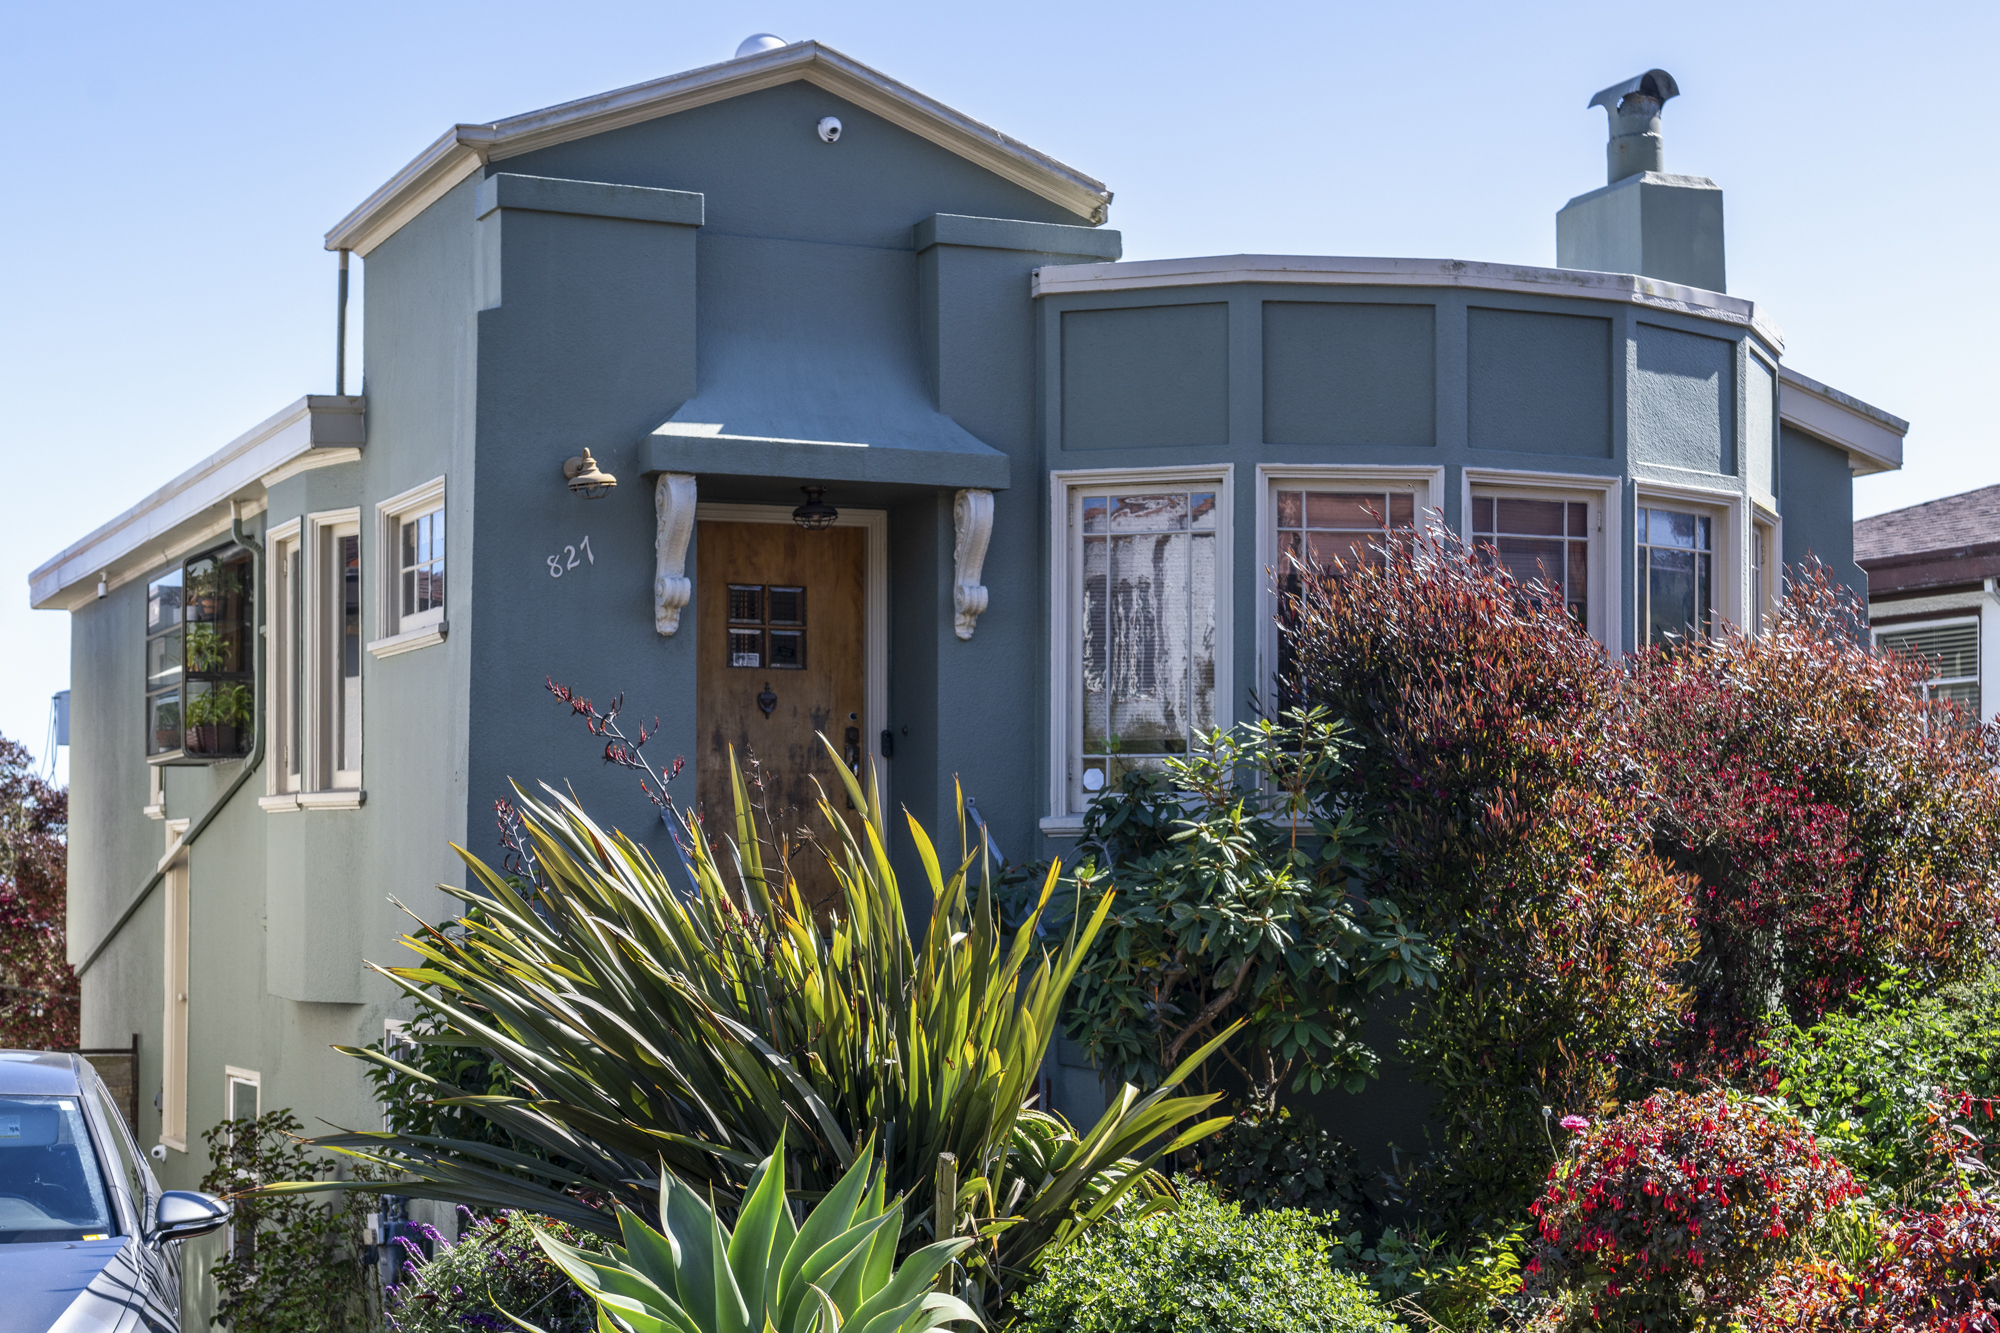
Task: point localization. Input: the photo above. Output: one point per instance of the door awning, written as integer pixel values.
(886, 440)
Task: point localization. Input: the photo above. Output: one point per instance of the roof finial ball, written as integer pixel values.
(1634, 108)
(760, 41)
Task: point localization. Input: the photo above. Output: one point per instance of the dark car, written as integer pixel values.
(89, 1242)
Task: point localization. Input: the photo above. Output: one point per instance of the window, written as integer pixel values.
(420, 566)
(240, 1101)
(52, 1185)
(1951, 659)
(1539, 540)
(1330, 529)
(1676, 573)
(163, 664)
(1141, 671)
(340, 656)
(410, 599)
(1763, 576)
(767, 626)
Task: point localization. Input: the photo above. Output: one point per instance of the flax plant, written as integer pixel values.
(645, 1027)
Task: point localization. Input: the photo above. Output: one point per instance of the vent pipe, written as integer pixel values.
(340, 334)
(1634, 109)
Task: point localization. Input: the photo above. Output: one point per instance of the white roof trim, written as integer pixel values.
(132, 543)
(1346, 271)
(464, 149)
(1872, 438)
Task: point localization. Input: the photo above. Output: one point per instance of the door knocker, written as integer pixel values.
(766, 700)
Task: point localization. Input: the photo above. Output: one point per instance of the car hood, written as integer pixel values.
(85, 1286)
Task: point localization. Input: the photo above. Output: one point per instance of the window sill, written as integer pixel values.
(408, 641)
(285, 803)
(1063, 826)
(156, 811)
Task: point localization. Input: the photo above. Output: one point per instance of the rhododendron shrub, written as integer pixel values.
(1939, 1273)
(1679, 1208)
(1516, 839)
(1840, 824)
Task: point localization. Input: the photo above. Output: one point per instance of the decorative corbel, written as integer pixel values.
(673, 506)
(972, 520)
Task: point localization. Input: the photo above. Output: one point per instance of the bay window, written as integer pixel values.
(200, 659)
(1676, 559)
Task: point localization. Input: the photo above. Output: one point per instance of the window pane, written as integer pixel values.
(1094, 510)
(1346, 509)
(349, 701)
(1403, 510)
(1964, 693)
(1576, 586)
(746, 603)
(1349, 548)
(746, 648)
(788, 649)
(1201, 634)
(1291, 508)
(1150, 513)
(1579, 519)
(1665, 527)
(1202, 513)
(163, 602)
(1148, 606)
(1534, 518)
(1671, 602)
(1948, 650)
(409, 556)
(410, 592)
(163, 660)
(788, 606)
(1096, 646)
(1532, 561)
(1482, 513)
(163, 723)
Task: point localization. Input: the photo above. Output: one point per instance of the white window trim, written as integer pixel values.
(1426, 483)
(1731, 546)
(1065, 707)
(1767, 518)
(231, 1076)
(1975, 615)
(278, 650)
(1607, 545)
(875, 645)
(423, 630)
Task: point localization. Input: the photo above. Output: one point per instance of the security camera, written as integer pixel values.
(159, 1151)
(829, 129)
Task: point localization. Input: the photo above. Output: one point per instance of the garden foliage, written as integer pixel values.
(641, 1025)
(1902, 1088)
(1937, 1272)
(495, 1266)
(1679, 1208)
(1284, 1161)
(1208, 1267)
(771, 1274)
(38, 991)
(295, 1261)
(1240, 897)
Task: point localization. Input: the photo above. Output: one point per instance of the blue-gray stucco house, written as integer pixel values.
(1062, 483)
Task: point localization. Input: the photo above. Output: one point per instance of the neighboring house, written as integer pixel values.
(1934, 590)
(1061, 484)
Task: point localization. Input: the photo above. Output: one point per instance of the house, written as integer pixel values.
(1934, 590)
(781, 398)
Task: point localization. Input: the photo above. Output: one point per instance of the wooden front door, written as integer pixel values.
(782, 630)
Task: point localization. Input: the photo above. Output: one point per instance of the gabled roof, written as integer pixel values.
(464, 149)
(1952, 524)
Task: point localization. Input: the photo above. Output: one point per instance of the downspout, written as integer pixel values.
(250, 762)
(340, 333)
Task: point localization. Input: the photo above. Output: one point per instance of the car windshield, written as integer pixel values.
(51, 1187)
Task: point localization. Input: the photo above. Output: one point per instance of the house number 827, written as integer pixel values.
(560, 564)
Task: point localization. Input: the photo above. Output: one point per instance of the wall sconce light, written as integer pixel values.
(104, 583)
(815, 513)
(585, 479)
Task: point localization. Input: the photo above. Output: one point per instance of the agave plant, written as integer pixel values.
(770, 1275)
(649, 1031)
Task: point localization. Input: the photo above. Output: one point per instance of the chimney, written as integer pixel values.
(1644, 221)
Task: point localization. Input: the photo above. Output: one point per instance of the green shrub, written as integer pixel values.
(295, 1261)
(495, 1266)
(1237, 898)
(1872, 1084)
(1207, 1268)
(1284, 1162)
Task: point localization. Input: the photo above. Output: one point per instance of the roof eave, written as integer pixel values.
(328, 427)
(466, 148)
(1872, 438)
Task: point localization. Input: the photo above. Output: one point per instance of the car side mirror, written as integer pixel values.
(183, 1213)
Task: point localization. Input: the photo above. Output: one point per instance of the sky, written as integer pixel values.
(171, 171)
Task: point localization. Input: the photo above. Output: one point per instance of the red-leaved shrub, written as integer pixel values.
(38, 991)
(1840, 825)
(1939, 1273)
(1680, 1206)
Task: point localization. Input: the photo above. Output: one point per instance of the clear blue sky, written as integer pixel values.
(172, 170)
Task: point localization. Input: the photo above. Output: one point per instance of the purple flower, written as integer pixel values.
(1576, 1124)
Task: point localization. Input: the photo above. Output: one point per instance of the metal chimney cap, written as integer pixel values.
(1654, 83)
